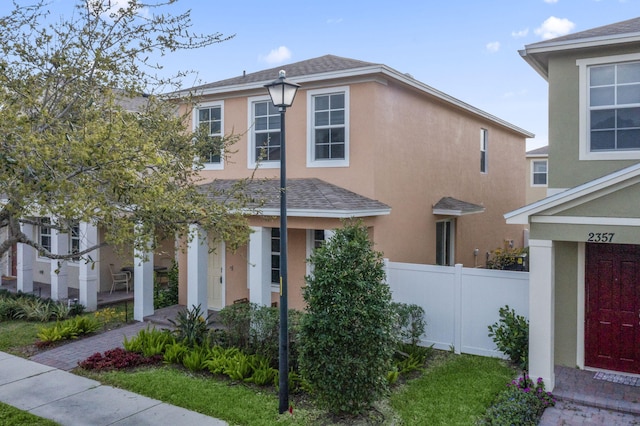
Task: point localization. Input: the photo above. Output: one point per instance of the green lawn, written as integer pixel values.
(14, 417)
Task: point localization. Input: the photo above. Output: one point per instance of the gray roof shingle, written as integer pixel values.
(453, 206)
(307, 196)
(629, 26)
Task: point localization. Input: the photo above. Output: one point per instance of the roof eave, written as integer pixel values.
(338, 214)
(455, 212)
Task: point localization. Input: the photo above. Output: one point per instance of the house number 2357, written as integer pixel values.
(600, 237)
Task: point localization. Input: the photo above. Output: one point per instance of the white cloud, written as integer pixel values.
(551, 1)
(334, 21)
(493, 47)
(521, 33)
(554, 27)
(276, 56)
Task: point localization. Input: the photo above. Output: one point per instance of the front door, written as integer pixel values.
(215, 281)
(612, 279)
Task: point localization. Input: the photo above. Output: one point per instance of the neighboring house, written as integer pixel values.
(430, 175)
(585, 236)
(538, 170)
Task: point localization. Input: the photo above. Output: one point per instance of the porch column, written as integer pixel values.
(541, 311)
(259, 269)
(26, 257)
(142, 283)
(59, 268)
(88, 276)
(197, 258)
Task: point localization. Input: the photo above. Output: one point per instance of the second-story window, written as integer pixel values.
(539, 173)
(484, 142)
(209, 118)
(614, 107)
(266, 133)
(328, 127)
(44, 233)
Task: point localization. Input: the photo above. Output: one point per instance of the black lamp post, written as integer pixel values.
(282, 93)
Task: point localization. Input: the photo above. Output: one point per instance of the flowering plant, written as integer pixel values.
(526, 385)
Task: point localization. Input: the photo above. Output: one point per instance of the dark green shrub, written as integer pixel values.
(163, 297)
(347, 336)
(191, 326)
(522, 403)
(236, 321)
(149, 342)
(511, 336)
(410, 322)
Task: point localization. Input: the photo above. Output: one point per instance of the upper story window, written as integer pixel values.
(610, 107)
(265, 134)
(328, 124)
(539, 173)
(484, 142)
(74, 239)
(209, 117)
(44, 233)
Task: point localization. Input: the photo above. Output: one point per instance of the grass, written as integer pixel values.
(456, 390)
(12, 416)
(17, 336)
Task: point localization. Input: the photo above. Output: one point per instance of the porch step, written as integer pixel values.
(598, 390)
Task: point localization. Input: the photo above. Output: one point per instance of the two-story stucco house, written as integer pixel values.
(430, 175)
(585, 236)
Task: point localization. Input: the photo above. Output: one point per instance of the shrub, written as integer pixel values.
(175, 353)
(117, 358)
(163, 297)
(410, 322)
(236, 320)
(149, 342)
(347, 337)
(522, 403)
(68, 329)
(508, 258)
(511, 335)
(191, 327)
(194, 359)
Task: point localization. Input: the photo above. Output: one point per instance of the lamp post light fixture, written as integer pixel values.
(282, 93)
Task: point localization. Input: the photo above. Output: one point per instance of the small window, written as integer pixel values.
(209, 118)
(275, 255)
(318, 238)
(74, 240)
(484, 140)
(44, 233)
(265, 134)
(539, 173)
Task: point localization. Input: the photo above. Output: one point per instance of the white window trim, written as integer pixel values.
(539, 185)
(195, 115)
(583, 81)
(251, 149)
(311, 162)
(39, 236)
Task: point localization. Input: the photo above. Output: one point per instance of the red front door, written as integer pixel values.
(612, 335)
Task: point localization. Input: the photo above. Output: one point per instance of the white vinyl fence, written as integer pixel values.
(459, 303)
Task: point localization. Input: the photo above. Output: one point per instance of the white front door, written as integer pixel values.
(215, 277)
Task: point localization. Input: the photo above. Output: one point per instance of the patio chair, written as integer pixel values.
(119, 277)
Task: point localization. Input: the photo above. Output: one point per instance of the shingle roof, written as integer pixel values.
(305, 197)
(322, 64)
(455, 207)
(539, 151)
(629, 26)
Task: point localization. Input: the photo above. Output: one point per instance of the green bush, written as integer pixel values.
(149, 342)
(522, 403)
(163, 297)
(236, 321)
(68, 329)
(511, 336)
(191, 326)
(410, 322)
(347, 336)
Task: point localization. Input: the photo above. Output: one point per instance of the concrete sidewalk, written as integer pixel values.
(73, 400)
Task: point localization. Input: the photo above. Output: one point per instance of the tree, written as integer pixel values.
(84, 135)
(347, 335)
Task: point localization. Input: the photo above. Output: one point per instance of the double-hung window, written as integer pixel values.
(610, 107)
(539, 173)
(209, 118)
(275, 255)
(44, 233)
(265, 134)
(328, 124)
(74, 239)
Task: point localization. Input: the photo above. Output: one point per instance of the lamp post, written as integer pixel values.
(282, 93)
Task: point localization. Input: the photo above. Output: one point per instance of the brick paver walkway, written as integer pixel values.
(67, 356)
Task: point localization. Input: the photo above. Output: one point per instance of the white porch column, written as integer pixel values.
(26, 257)
(89, 278)
(143, 284)
(197, 258)
(59, 268)
(259, 269)
(541, 311)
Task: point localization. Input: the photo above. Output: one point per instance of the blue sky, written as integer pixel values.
(467, 49)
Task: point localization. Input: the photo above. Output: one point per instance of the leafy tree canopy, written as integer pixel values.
(84, 135)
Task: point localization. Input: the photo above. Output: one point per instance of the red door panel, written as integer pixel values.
(612, 334)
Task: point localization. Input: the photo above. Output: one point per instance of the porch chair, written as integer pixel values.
(119, 277)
